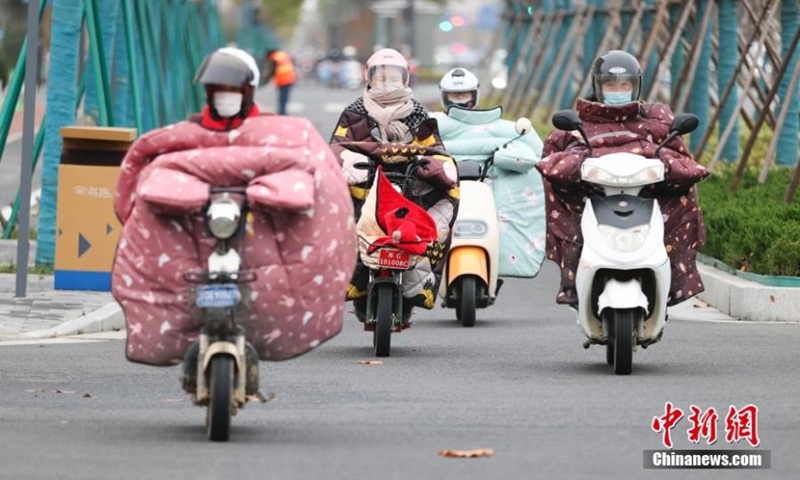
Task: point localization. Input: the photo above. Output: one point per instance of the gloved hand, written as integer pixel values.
(353, 175)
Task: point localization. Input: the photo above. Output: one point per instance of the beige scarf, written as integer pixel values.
(388, 108)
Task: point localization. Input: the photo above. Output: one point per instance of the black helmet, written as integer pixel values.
(616, 65)
(232, 67)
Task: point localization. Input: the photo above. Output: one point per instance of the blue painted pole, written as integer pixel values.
(648, 20)
(508, 28)
(152, 36)
(625, 18)
(566, 98)
(105, 17)
(180, 83)
(194, 55)
(213, 25)
(728, 60)
(594, 34)
(168, 76)
(700, 95)
(787, 143)
(123, 111)
(549, 6)
(511, 36)
(676, 65)
(519, 43)
(148, 65)
(65, 38)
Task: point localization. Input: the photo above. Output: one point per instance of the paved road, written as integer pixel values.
(519, 383)
(321, 105)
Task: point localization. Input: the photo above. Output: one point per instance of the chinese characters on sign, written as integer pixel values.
(741, 424)
(93, 192)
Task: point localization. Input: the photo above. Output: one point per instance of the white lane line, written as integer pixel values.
(296, 107)
(48, 341)
(334, 107)
(72, 339)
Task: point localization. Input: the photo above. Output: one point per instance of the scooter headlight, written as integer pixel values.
(624, 240)
(223, 218)
(471, 229)
(601, 176)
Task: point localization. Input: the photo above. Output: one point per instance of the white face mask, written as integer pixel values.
(228, 104)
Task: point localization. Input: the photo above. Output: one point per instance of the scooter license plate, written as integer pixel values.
(218, 296)
(394, 259)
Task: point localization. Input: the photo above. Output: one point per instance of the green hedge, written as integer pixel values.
(752, 229)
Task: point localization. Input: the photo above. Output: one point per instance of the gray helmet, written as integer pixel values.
(616, 65)
(233, 67)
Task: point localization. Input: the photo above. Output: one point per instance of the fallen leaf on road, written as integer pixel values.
(481, 452)
(65, 392)
(34, 390)
(258, 397)
(88, 395)
(370, 362)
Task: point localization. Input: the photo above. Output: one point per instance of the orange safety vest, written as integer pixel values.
(284, 69)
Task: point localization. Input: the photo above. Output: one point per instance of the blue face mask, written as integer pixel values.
(617, 98)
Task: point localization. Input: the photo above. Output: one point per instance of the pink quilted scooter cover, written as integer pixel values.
(300, 242)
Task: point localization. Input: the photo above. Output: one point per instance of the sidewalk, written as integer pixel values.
(48, 313)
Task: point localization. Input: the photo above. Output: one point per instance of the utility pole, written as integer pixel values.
(26, 173)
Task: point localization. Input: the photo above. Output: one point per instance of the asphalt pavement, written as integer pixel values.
(519, 383)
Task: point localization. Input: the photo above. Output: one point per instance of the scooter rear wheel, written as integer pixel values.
(467, 308)
(623, 341)
(383, 320)
(218, 423)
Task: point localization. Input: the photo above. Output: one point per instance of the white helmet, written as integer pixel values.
(459, 80)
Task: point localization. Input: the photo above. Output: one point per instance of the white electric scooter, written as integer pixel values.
(623, 278)
(471, 271)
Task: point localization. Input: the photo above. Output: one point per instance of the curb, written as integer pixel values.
(107, 318)
(695, 310)
(746, 300)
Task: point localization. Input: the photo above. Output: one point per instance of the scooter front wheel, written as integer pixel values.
(467, 307)
(383, 320)
(623, 341)
(218, 423)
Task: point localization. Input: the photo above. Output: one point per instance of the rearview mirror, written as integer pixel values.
(684, 123)
(567, 120)
(523, 126)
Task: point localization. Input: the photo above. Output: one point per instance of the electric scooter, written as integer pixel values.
(387, 265)
(623, 278)
(219, 296)
(471, 280)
